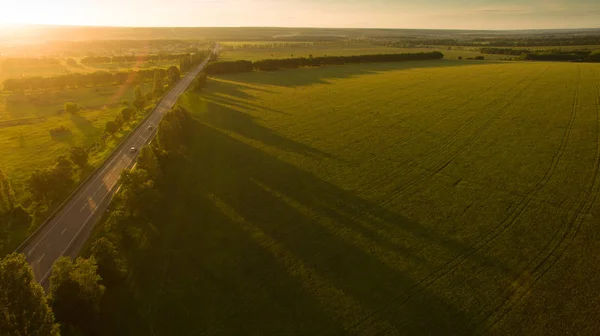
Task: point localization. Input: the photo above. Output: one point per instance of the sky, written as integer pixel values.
(433, 14)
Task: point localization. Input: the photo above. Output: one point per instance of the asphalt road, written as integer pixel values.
(67, 232)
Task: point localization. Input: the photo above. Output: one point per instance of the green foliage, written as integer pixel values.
(199, 82)
(23, 307)
(140, 100)
(80, 80)
(147, 161)
(171, 131)
(50, 184)
(111, 267)
(140, 198)
(75, 293)
(59, 130)
(7, 194)
(71, 107)
(127, 114)
(79, 156)
(111, 127)
(159, 85)
(173, 75)
(274, 64)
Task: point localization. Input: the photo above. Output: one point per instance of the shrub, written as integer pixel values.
(71, 107)
(59, 130)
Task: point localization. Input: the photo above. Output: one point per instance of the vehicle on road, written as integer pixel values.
(150, 127)
(132, 149)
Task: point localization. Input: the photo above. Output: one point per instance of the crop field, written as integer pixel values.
(266, 50)
(433, 198)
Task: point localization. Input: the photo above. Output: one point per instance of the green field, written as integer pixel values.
(63, 68)
(26, 143)
(266, 50)
(434, 198)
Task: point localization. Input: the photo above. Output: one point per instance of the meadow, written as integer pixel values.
(27, 144)
(435, 197)
(49, 70)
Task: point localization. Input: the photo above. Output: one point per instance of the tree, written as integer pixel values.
(199, 82)
(7, 194)
(75, 293)
(111, 267)
(71, 62)
(139, 195)
(158, 84)
(173, 75)
(111, 127)
(79, 156)
(51, 183)
(147, 161)
(23, 307)
(140, 101)
(71, 107)
(127, 113)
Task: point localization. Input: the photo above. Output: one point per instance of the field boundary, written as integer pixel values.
(94, 172)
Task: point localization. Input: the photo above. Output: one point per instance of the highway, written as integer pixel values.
(67, 231)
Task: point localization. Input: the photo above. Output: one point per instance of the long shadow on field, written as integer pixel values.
(84, 125)
(253, 245)
(303, 77)
(220, 114)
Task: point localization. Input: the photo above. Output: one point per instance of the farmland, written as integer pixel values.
(253, 51)
(436, 197)
(26, 143)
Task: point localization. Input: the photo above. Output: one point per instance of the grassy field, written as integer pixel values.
(26, 143)
(416, 198)
(63, 68)
(305, 49)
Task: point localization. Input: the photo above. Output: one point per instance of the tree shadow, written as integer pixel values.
(84, 125)
(237, 270)
(322, 75)
(222, 114)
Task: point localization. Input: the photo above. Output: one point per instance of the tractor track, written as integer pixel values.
(459, 259)
(566, 235)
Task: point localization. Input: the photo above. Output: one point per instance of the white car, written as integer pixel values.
(132, 149)
(150, 127)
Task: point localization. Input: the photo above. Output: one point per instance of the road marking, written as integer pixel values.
(77, 233)
(42, 257)
(85, 205)
(63, 231)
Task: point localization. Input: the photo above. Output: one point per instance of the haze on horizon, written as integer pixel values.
(425, 14)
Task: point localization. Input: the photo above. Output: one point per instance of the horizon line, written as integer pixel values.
(294, 27)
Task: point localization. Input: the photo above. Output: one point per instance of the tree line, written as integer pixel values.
(79, 80)
(102, 78)
(563, 56)
(73, 304)
(528, 41)
(132, 58)
(274, 64)
(28, 61)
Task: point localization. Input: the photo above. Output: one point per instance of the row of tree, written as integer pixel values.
(79, 80)
(132, 58)
(562, 56)
(274, 64)
(186, 63)
(516, 41)
(28, 61)
(73, 305)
